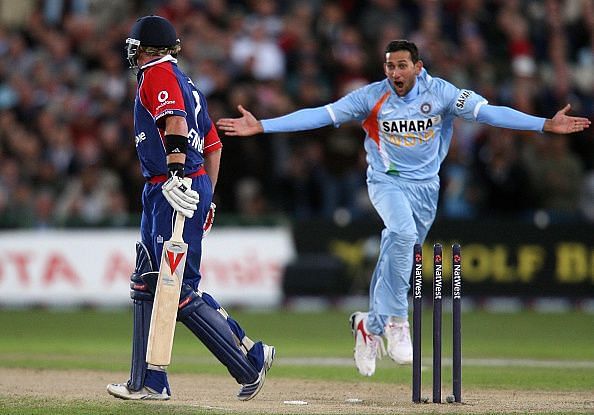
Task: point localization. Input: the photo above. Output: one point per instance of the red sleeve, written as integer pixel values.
(212, 142)
(160, 93)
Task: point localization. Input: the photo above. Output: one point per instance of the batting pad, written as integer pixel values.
(142, 308)
(213, 330)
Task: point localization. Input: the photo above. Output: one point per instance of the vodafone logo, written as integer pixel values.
(164, 100)
(163, 95)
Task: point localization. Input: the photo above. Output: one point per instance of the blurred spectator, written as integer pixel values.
(587, 198)
(54, 11)
(265, 13)
(14, 14)
(251, 202)
(504, 179)
(65, 98)
(178, 12)
(459, 198)
(92, 198)
(346, 189)
(350, 60)
(44, 210)
(330, 23)
(376, 13)
(258, 54)
(304, 181)
(556, 176)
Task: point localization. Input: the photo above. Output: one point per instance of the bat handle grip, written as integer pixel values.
(178, 228)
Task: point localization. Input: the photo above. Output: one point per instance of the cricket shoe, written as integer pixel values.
(368, 347)
(399, 343)
(120, 390)
(250, 390)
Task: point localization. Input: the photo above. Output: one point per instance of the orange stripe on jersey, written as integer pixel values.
(370, 124)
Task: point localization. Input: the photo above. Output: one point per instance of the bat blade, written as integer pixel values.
(163, 317)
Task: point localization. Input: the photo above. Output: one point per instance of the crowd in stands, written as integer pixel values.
(67, 155)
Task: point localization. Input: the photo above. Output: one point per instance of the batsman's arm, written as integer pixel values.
(176, 127)
(180, 195)
(212, 154)
(212, 163)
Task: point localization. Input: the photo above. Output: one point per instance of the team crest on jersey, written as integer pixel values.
(425, 108)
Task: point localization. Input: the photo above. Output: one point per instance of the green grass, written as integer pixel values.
(62, 339)
(34, 406)
(100, 340)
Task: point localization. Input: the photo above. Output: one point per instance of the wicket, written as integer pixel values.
(437, 318)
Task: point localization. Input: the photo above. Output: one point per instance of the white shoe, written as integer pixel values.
(399, 343)
(120, 390)
(250, 390)
(368, 347)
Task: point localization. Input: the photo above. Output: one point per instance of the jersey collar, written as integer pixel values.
(166, 58)
(413, 93)
(423, 79)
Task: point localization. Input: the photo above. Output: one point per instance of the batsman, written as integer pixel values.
(179, 152)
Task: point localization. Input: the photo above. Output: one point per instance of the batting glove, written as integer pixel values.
(209, 220)
(180, 195)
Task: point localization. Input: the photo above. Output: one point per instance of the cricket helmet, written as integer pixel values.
(149, 31)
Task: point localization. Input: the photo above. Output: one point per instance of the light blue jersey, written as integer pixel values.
(407, 136)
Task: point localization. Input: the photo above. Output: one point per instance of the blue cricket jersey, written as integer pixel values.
(163, 89)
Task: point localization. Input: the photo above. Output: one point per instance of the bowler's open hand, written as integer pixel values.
(562, 123)
(244, 126)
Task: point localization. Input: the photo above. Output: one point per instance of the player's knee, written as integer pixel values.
(405, 237)
(189, 301)
(140, 288)
(235, 328)
(210, 301)
(150, 279)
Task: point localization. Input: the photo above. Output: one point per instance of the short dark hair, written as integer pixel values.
(403, 44)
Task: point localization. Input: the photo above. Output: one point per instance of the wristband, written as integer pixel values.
(176, 169)
(176, 144)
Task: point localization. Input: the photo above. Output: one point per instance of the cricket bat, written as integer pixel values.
(164, 314)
